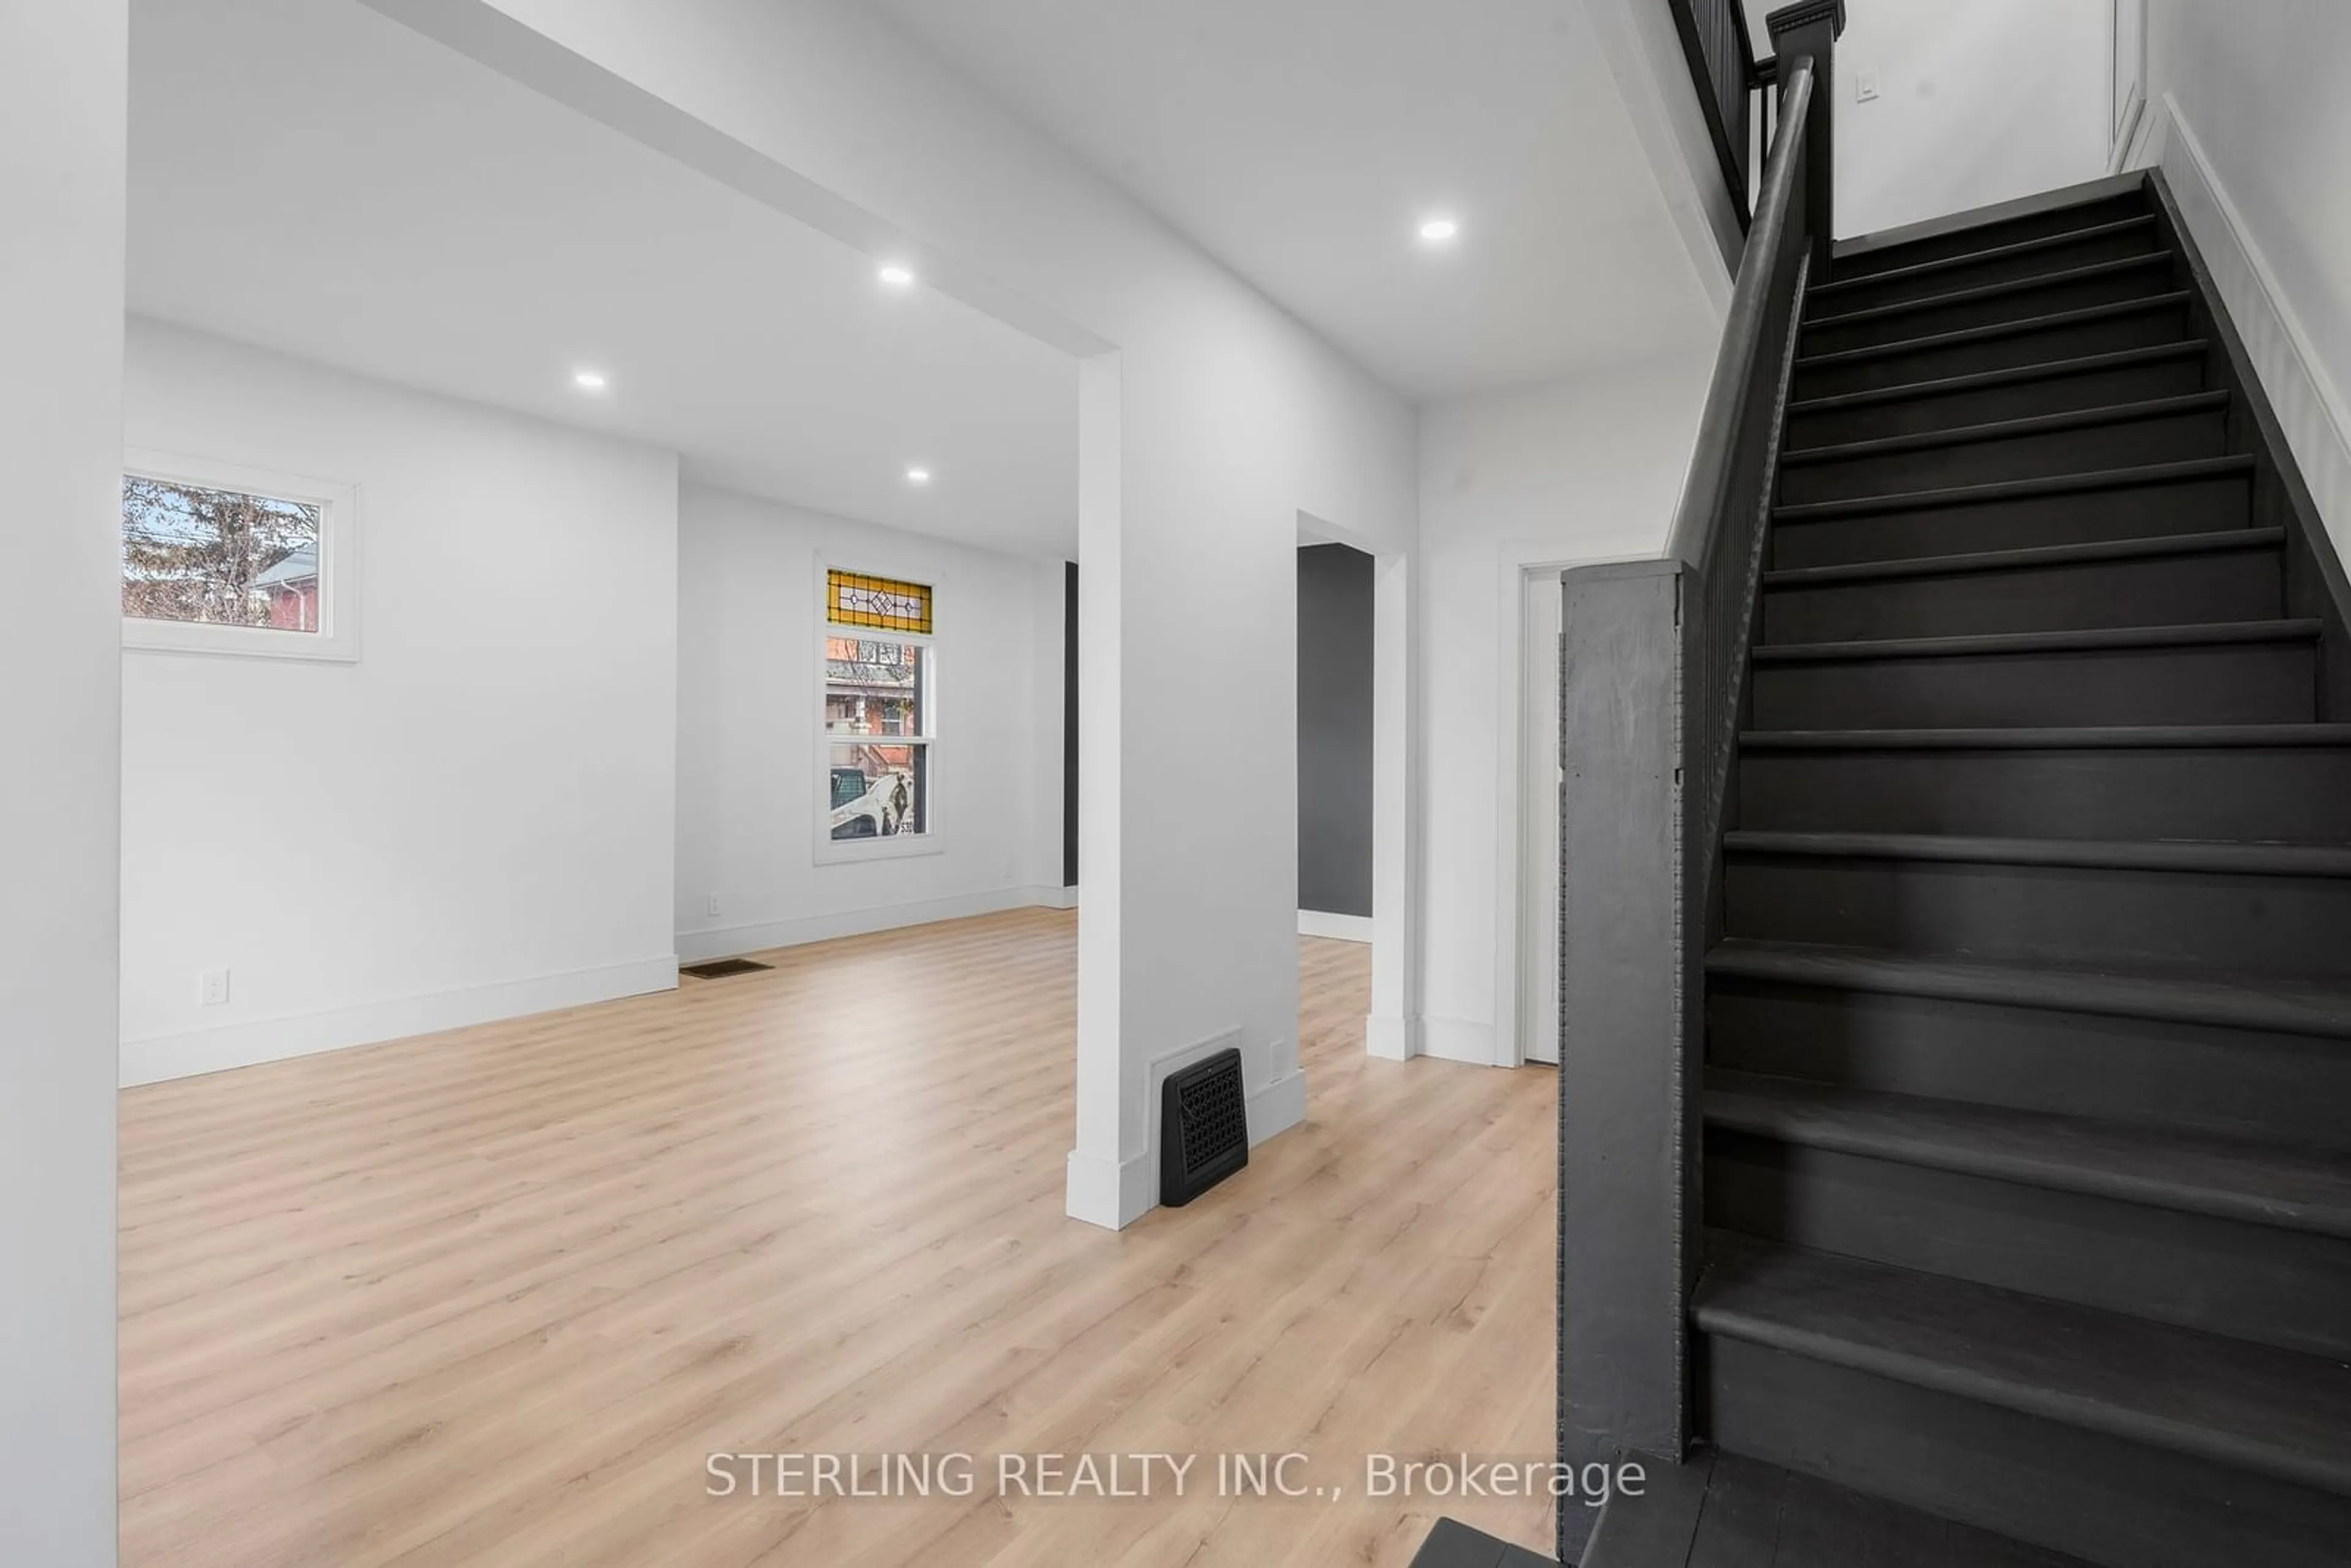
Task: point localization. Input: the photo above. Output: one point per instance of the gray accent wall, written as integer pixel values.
(1334, 730)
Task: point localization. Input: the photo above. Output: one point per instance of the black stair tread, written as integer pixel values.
(2100, 737)
(2247, 859)
(2162, 1167)
(2028, 557)
(2284, 629)
(2211, 997)
(1977, 258)
(2015, 375)
(2252, 1407)
(1996, 330)
(2152, 261)
(2005, 429)
(2017, 489)
(1721, 1509)
(1452, 1544)
(2075, 208)
(1823, 1525)
(1656, 1528)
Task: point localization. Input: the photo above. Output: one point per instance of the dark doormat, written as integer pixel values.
(719, 968)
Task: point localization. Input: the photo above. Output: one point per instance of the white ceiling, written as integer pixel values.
(1302, 140)
(312, 176)
(309, 175)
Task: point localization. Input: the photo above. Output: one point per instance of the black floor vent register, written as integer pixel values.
(719, 968)
(1203, 1127)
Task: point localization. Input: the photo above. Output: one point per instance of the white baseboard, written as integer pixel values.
(1458, 1040)
(726, 941)
(1113, 1193)
(1337, 927)
(160, 1057)
(1392, 1039)
(2309, 406)
(1276, 1107)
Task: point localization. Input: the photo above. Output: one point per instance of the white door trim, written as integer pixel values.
(1537, 929)
(2126, 79)
(1519, 559)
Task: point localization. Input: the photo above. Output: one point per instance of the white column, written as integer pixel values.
(1104, 1187)
(63, 89)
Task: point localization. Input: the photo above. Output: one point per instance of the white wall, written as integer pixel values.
(1580, 470)
(1979, 101)
(472, 821)
(62, 90)
(750, 678)
(2249, 118)
(1209, 420)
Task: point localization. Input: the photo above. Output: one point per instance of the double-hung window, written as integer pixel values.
(880, 732)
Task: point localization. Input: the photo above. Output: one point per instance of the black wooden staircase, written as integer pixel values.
(2027, 1095)
(1956, 922)
(2026, 1098)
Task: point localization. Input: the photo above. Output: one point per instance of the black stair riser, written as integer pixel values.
(2267, 683)
(2108, 1500)
(2144, 511)
(2083, 250)
(2019, 302)
(2300, 794)
(2259, 1282)
(2155, 591)
(2102, 388)
(2137, 329)
(2149, 1072)
(1991, 236)
(2083, 449)
(2150, 920)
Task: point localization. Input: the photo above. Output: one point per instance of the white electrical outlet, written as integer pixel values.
(1864, 86)
(212, 987)
(713, 910)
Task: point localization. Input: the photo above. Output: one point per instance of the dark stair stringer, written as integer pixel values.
(2026, 1172)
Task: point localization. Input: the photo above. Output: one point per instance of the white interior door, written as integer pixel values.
(1539, 822)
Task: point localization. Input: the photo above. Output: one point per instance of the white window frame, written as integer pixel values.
(337, 641)
(827, 849)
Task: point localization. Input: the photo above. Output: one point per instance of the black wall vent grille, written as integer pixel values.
(719, 968)
(1203, 1127)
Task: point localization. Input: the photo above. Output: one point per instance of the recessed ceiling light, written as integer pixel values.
(1437, 231)
(896, 275)
(587, 380)
(918, 475)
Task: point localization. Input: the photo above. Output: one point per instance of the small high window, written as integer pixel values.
(224, 560)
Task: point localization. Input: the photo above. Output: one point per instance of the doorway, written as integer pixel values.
(1538, 827)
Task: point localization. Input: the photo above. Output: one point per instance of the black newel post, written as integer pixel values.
(1811, 28)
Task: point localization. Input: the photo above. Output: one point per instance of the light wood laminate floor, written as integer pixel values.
(492, 1297)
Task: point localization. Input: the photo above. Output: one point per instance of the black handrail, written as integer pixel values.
(1654, 662)
(1727, 497)
(1723, 68)
(1753, 301)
